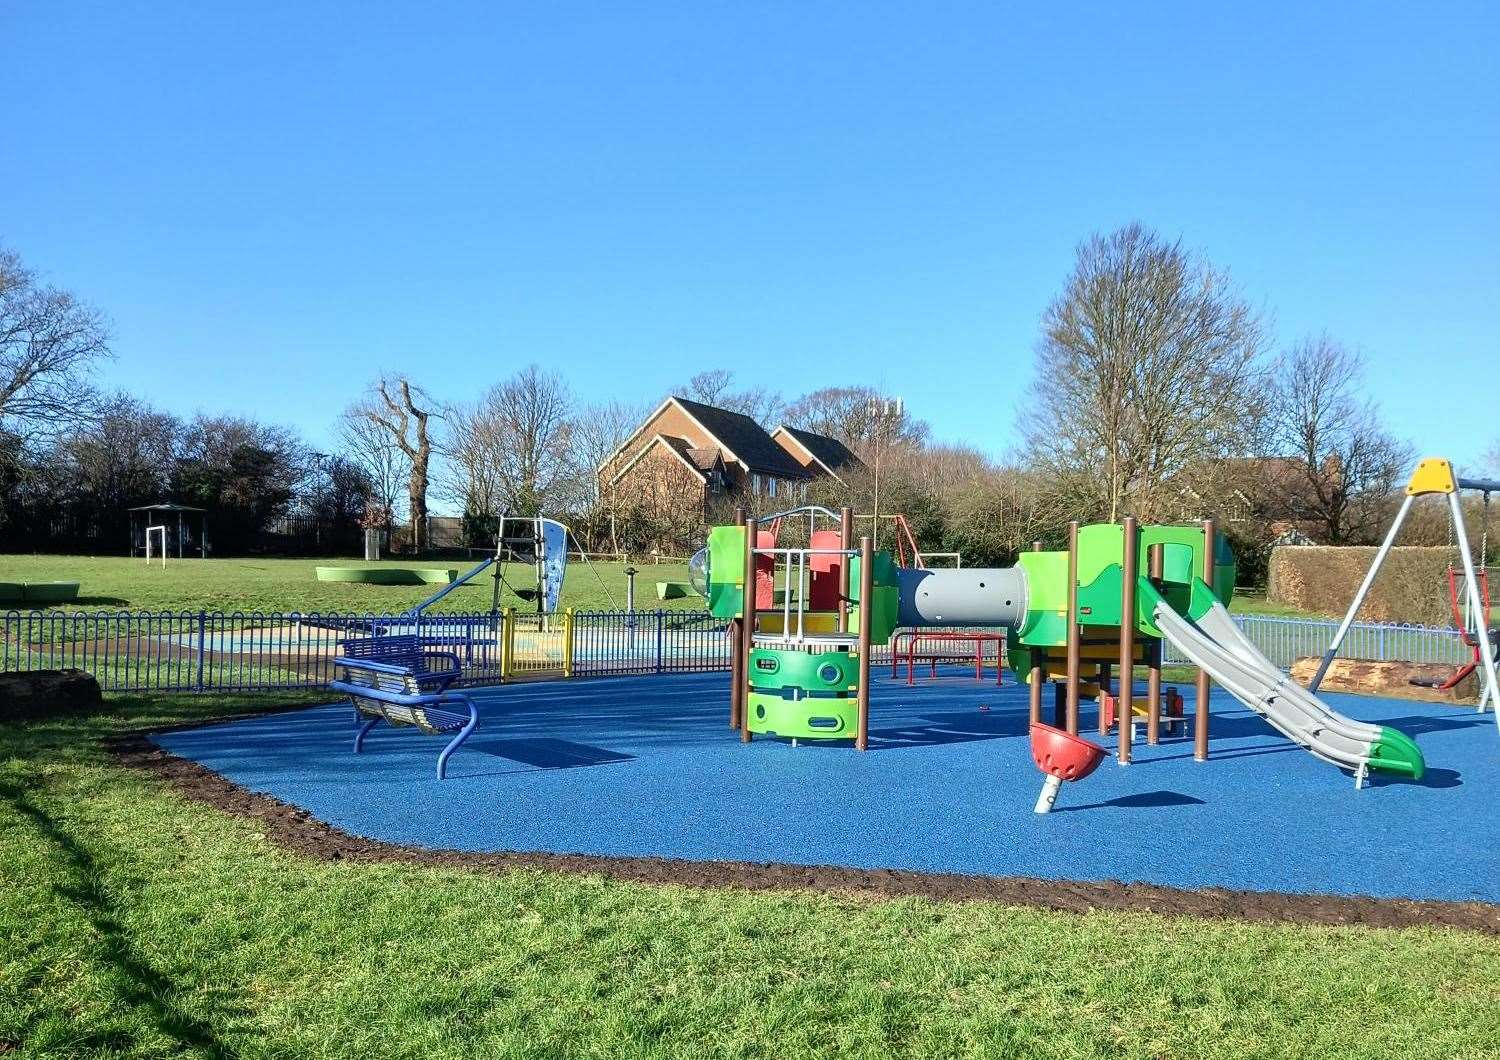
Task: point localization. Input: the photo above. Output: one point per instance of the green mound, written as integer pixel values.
(38, 592)
(388, 575)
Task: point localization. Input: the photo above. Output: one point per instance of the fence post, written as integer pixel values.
(202, 649)
(507, 642)
(661, 633)
(568, 643)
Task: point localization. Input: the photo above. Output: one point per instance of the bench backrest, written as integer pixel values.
(379, 648)
(398, 650)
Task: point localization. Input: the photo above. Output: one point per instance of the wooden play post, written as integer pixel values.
(1074, 647)
(1154, 566)
(738, 693)
(1125, 688)
(1200, 719)
(846, 542)
(1037, 672)
(866, 601)
(747, 634)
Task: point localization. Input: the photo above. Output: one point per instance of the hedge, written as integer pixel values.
(1412, 585)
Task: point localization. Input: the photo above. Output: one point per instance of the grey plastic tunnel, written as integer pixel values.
(974, 596)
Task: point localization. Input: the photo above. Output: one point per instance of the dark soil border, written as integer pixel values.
(299, 831)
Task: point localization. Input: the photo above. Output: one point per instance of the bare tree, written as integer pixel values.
(715, 388)
(471, 475)
(49, 342)
(1344, 465)
(402, 411)
(598, 432)
(511, 449)
(368, 445)
(710, 387)
(858, 416)
(1148, 366)
(1001, 513)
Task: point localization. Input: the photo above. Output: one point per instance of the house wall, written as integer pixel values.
(660, 493)
(645, 486)
(674, 423)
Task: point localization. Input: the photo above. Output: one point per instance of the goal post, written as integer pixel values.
(161, 530)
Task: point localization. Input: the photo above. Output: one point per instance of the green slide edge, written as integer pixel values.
(1396, 752)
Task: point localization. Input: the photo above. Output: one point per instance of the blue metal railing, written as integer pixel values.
(248, 651)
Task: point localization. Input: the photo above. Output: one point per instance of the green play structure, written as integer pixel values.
(1111, 599)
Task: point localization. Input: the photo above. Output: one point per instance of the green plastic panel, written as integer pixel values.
(803, 719)
(887, 601)
(726, 571)
(1396, 752)
(829, 671)
(1099, 601)
(1100, 556)
(1046, 580)
(1178, 563)
(1100, 545)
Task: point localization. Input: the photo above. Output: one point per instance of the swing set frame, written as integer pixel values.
(1434, 476)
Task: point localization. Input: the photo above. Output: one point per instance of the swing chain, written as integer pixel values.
(1484, 533)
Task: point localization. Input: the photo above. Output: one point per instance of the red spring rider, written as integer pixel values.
(1062, 756)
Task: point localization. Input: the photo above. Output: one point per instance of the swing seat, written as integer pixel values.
(1470, 639)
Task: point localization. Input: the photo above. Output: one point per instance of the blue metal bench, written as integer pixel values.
(394, 678)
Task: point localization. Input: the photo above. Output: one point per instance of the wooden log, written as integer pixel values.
(1390, 680)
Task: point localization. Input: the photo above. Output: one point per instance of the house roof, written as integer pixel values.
(747, 440)
(678, 447)
(831, 453)
(705, 459)
(165, 506)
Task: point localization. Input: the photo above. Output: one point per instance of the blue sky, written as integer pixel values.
(274, 201)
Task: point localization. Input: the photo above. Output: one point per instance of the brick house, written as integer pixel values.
(818, 454)
(688, 461)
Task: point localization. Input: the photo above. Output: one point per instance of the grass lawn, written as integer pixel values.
(135, 923)
(1257, 604)
(290, 585)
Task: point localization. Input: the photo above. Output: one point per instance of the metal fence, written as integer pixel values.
(264, 651)
(1285, 640)
(247, 651)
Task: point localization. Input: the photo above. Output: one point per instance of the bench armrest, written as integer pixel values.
(452, 657)
(372, 665)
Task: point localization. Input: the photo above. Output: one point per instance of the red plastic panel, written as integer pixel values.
(765, 572)
(824, 593)
(1061, 754)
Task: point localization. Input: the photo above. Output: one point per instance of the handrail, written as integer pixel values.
(445, 590)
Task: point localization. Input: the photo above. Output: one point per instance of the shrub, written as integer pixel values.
(1412, 585)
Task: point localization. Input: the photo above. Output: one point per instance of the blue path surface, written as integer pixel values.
(647, 766)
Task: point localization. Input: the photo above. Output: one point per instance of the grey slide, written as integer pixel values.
(1216, 645)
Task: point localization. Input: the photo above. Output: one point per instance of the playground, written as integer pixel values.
(647, 768)
(792, 853)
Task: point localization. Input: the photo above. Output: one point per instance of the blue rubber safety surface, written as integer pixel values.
(647, 766)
